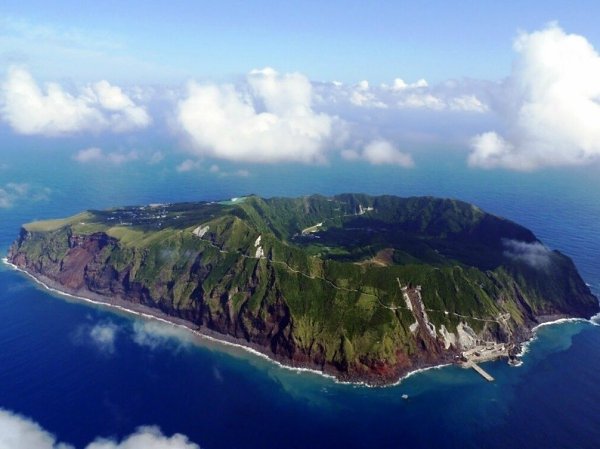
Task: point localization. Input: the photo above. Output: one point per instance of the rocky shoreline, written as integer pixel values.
(203, 332)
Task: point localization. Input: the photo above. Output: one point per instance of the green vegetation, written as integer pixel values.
(331, 296)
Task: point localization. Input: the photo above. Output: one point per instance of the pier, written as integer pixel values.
(479, 369)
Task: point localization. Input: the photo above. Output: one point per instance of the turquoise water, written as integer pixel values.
(54, 370)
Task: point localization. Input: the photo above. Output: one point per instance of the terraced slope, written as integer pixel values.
(366, 288)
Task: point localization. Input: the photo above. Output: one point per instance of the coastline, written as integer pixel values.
(206, 334)
(149, 313)
(594, 321)
(175, 322)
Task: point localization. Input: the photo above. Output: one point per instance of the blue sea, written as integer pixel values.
(83, 371)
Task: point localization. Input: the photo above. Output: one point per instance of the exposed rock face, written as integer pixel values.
(231, 274)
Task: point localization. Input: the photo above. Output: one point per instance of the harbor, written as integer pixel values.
(479, 370)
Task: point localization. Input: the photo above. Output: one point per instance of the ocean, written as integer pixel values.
(83, 371)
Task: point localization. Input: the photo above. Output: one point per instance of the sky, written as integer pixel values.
(510, 86)
(229, 89)
(337, 40)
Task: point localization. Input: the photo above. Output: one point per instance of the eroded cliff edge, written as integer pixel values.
(364, 288)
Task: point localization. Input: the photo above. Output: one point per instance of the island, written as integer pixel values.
(363, 288)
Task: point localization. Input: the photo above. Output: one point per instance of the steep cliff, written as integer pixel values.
(366, 288)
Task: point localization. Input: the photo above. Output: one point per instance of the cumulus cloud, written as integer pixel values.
(121, 111)
(399, 84)
(468, 102)
(422, 100)
(380, 152)
(95, 155)
(14, 192)
(104, 335)
(533, 254)
(153, 334)
(270, 120)
(361, 95)
(18, 432)
(146, 438)
(549, 104)
(52, 111)
(492, 150)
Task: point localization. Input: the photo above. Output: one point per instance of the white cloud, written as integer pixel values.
(533, 254)
(52, 111)
(399, 84)
(122, 112)
(422, 101)
(361, 96)
(18, 432)
(366, 99)
(188, 165)
(146, 438)
(380, 152)
(491, 150)
(92, 154)
(550, 105)
(14, 192)
(272, 120)
(453, 96)
(467, 103)
(95, 154)
(153, 334)
(104, 335)
(363, 85)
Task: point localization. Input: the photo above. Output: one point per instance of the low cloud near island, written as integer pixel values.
(533, 254)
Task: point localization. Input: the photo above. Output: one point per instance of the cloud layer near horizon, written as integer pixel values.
(400, 95)
(380, 152)
(18, 432)
(52, 111)
(550, 105)
(97, 155)
(544, 114)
